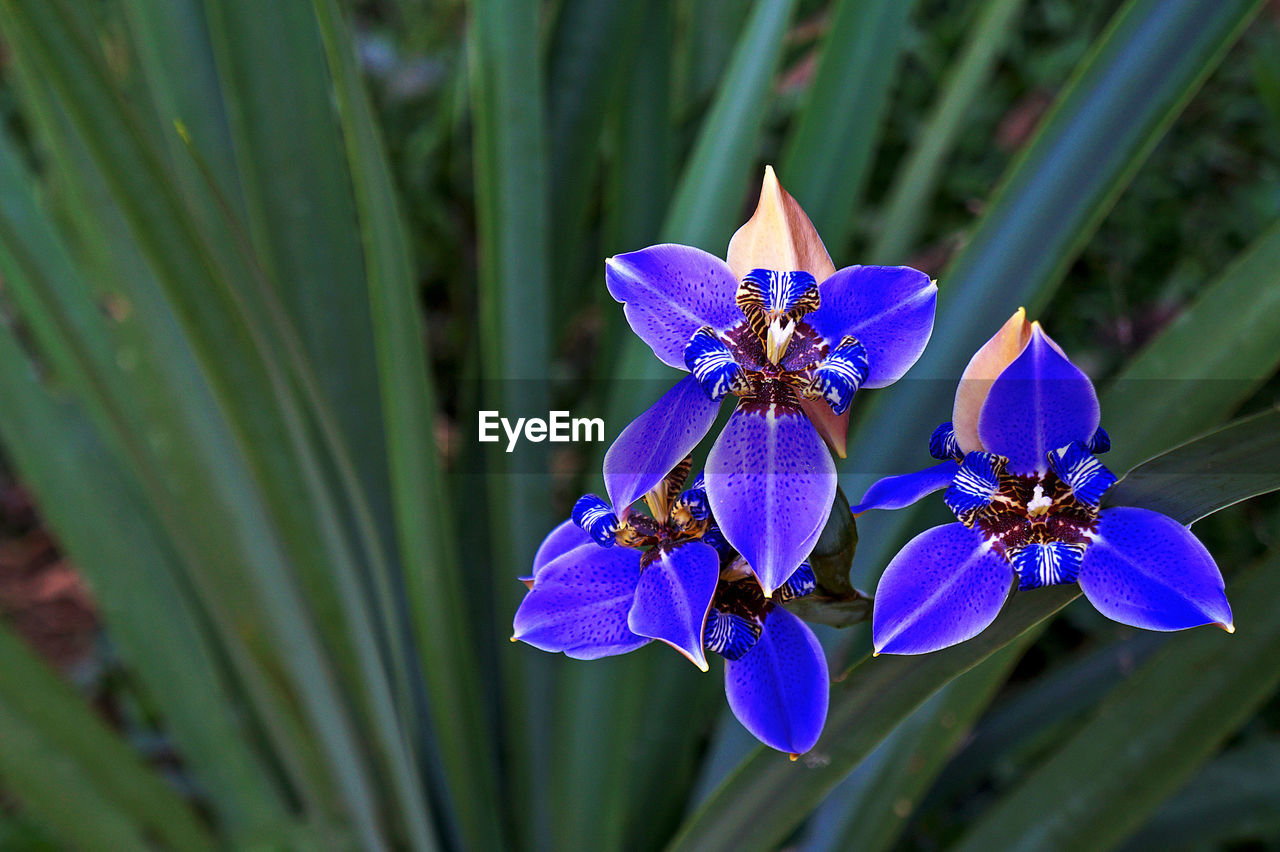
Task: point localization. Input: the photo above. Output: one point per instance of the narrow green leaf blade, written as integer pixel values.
(423, 512)
(829, 150)
(1207, 474)
(1150, 734)
(715, 178)
(908, 200)
(767, 796)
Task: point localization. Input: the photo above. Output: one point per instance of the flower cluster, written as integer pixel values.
(1020, 468)
(606, 583)
(792, 339)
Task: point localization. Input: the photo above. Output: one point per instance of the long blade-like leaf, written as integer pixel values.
(829, 150)
(1148, 737)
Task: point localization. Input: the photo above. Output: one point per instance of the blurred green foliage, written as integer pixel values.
(239, 369)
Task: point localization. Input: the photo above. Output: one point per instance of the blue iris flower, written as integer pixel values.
(606, 583)
(794, 343)
(1021, 473)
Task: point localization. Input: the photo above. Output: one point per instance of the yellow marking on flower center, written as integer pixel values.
(778, 338)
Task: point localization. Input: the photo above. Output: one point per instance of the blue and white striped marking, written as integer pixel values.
(729, 635)
(943, 444)
(974, 485)
(596, 518)
(1052, 564)
(801, 582)
(774, 292)
(1087, 477)
(838, 376)
(694, 499)
(712, 364)
(1100, 442)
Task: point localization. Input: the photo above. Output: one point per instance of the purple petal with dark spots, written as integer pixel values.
(770, 482)
(944, 587)
(673, 597)
(670, 291)
(1040, 402)
(579, 603)
(896, 492)
(889, 309)
(559, 541)
(657, 441)
(1147, 570)
(780, 688)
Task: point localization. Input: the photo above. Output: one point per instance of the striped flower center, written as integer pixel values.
(1041, 524)
(773, 355)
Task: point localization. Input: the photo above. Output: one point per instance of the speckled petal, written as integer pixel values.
(888, 309)
(1147, 570)
(1039, 403)
(559, 541)
(770, 481)
(780, 688)
(944, 587)
(897, 492)
(657, 441)
(670, 291)
(673, 597)
(579, 603)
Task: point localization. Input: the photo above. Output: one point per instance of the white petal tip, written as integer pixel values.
(1228, 627)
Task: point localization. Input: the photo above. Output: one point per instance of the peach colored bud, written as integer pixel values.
(778, 236)
(986, 364)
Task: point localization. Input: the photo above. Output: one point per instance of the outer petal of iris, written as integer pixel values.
(770, 482)
(779, 690)
(579, 603)
(889, 309)
(673, 597)
(656, 441)
(945, 586)
(1147, 570)
(669, 292)
(1039, 403)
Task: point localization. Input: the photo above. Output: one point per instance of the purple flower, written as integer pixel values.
(604, 585)
(794, 340)
(1019, 466)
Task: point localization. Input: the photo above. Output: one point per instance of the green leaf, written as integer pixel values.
(835, 602)
(907, 203)
(513, 228)
(829, 149)
(93, 505)
(1187, 386)
(1231, 800)
(434, 586)
(218, 298)
(767, 795)
(77, 777)
(715, 178)
(869, 810)
(1149, 735)
(1207, 474)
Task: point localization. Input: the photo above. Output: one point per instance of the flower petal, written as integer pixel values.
(983, 368)
(1147, 570)
(944, 587)
(559, 541)
(670, 291)
(673, 597)
(770, 481)
(657, 441)
(888, 309)
(579, 603)
(780, 688)
(896, 492)
(1041, 402)
(778, 236)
